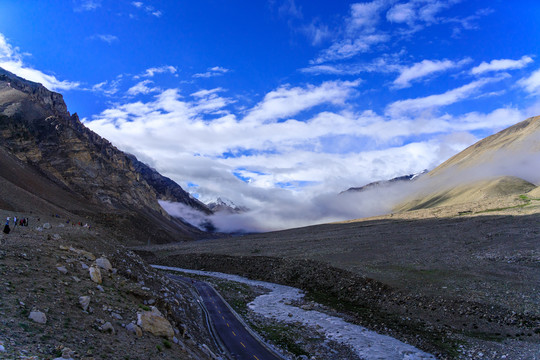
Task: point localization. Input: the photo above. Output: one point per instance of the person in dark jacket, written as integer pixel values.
(6, 227)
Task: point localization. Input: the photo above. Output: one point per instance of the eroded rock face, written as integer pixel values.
(36, 127)
(153, 322)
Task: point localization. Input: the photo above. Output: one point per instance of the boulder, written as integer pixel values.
(153, 322)
(104, 263)
(107, 327)
(38, 316)
(95, 274)
(132, 328)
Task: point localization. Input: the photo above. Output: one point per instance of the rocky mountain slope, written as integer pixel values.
(110, 186)
(383, 183)
(226, 206)
(499, 167)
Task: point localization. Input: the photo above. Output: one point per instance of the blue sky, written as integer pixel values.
(272, 101)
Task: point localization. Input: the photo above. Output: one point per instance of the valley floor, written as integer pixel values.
(458, 287)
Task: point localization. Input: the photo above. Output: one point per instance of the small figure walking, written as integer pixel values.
(6, 227)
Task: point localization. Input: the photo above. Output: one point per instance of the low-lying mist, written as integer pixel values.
(286, 209)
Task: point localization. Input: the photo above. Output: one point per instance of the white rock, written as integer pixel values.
(38, 316)
(84, 301)
(95, 274)
(104, 263)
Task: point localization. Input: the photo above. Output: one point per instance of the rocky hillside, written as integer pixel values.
(74, 292)
(37, 129)
(499, 168)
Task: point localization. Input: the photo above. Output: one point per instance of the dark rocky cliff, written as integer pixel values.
(36, 127)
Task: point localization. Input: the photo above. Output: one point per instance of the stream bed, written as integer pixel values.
(276, 305)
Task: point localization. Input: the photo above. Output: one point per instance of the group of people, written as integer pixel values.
(20, 222)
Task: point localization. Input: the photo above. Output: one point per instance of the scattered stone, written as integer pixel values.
(107, 327)
(84, 266)
(62, 269)
(116, 316)
(47, 226)
(84, 301)
(104, 263)
(132, 328)
(95, 274)
(76, 279)
(154, 322)
(38, 316)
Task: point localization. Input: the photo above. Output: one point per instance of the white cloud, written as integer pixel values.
(423, 69)
(86, 5)
(157, 70)
(350, 47)
(365, 16)
(107, 88)
(142, 88)
(402, 13)
(532, 83)
(150, 10)
(12, 60)
(211, 72)
(418, 105)
(500, 65)
(316, 32)
(108, 38)
(294, 166)
(286, 101)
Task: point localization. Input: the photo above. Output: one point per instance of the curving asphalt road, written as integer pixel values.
(238, 341)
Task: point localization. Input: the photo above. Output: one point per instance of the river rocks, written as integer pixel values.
(38, 316)
(153, 322)
(95, 274)
(104, 263)
(132, 328)
(84, 301)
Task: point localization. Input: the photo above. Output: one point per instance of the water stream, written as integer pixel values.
(365, 343)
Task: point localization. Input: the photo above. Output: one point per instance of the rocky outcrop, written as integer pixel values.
(36, 127)
(153, 322)
(165, 188)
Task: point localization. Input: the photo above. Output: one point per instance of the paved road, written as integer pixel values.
(238, 341)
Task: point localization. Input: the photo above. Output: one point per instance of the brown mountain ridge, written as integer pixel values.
(79, 171)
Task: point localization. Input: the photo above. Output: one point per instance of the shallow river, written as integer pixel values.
(366, 343)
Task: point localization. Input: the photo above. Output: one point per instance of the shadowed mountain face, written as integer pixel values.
(87, 172)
